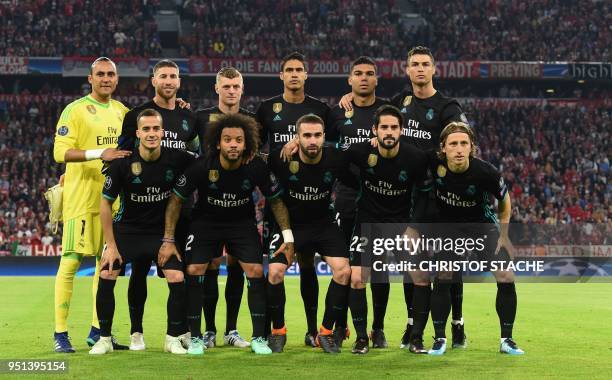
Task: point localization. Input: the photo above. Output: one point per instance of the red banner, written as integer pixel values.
(328, 68)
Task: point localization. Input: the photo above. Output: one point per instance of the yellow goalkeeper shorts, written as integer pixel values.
(83, 235)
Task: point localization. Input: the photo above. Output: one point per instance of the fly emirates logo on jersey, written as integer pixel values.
(111, 138)
(384, 188)
(453, 199)
(285, 137)
(171, 140)
(310, 193)
(411, 129)
(228, 200)
(153, 194)
(362, 135)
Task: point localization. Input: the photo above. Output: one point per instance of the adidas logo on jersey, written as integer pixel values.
(348, 122)
(277, 118)
(136, 180)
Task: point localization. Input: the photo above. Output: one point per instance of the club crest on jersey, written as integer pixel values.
(348, 114)
(430, 114)
(246, 185)
(407, 100)
(136, 168)
(372, 160)
(294, 167)
(471, 190)
(403, 176)
(185, 125)
(328, 177)
(213, 117)
(277, 107)
(182, 181)
(91, 109)
(441, 171)
(169, 175)
(213, 175)
(62, 131)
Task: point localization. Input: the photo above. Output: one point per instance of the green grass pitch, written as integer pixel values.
(564, 329)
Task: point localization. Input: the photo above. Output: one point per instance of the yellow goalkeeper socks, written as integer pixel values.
(69, 264)
(94, 291)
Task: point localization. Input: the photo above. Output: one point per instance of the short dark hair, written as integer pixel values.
(309, 118)
(386, 110)
(363, 60)
(101, 59)
(165, 63)
(296, 55)
(149, 112)
(420, 50)
(212, 136)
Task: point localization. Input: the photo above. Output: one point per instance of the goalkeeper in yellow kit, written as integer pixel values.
(86, 135)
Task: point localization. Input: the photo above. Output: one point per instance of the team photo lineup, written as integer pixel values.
(149, 159)
(381, 216)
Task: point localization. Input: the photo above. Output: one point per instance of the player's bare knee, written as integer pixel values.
(420, 278)
(276, 273)
(504, 276)
(253, 270)
(231, 260)
(174, 276)
(342, 274)
(109, 275)
(357, 279)
(196, 269)
(214, 263)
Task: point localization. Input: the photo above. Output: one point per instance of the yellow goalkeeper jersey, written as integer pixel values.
(86, 124)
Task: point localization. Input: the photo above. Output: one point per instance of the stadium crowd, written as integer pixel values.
(547, 30)
(537, 30)
(556, 161)
(52, 28)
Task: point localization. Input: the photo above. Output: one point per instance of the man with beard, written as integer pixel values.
(229, 86)
(180, 132)
(277, 117)
(426, 112)
(225, 215)
(308, 180)
(346, 127)
(388, 174)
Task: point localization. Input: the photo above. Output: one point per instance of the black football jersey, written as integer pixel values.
(307, 188)
(144, 188)
(464, 197)
(424, 119)
(277, 118)
(180, 129)
(349, 127)
(386, 183)
(226, 195)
